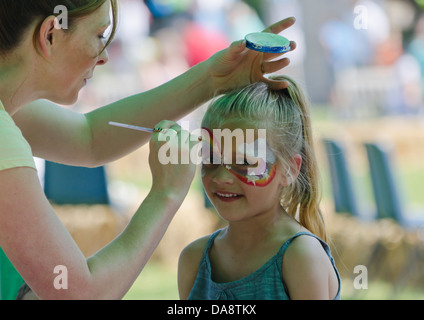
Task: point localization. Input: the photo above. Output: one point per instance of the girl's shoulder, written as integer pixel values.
(195, 250)
(305, 245)
(197, 247)
(189, 263)
(307, 261)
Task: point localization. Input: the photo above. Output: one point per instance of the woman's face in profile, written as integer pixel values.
(79, 52)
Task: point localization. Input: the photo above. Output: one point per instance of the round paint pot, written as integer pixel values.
(267, 42)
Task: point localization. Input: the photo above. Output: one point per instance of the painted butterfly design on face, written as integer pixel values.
(257, 168)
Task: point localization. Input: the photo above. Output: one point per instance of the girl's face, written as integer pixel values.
(241, 178)
(77, 54)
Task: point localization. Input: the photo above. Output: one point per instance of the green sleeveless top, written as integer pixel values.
(264, 284)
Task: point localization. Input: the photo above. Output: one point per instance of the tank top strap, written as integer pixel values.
(302, 233)
(283, 247)
(210, 243)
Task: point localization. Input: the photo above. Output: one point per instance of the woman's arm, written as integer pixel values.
(87, 140)
(64, 136)
(36, 241)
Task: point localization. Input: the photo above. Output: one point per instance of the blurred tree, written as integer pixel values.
(420, 3)
(258, 6)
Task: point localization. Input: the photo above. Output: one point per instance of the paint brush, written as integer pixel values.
(128, 126)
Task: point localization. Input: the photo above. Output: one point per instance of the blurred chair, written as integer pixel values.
(385, 187)
(341, 181)
(390, 205)
(386, 195)
(346, 202)
(75, 185)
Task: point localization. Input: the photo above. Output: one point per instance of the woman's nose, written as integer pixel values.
(103, 58)
(223, 176)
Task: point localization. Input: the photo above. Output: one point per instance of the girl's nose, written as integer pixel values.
(223, 176)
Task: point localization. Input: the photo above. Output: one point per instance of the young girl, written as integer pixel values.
(273, 246)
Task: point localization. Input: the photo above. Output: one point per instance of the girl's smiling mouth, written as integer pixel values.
(227, 196)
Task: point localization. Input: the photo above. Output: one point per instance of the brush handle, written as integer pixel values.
(128, 126)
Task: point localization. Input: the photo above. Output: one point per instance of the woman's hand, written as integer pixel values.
(237, 66)
(172, 168)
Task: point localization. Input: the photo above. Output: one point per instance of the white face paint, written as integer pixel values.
(259, 153)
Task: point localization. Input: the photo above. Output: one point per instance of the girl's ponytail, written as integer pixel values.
(304, 198)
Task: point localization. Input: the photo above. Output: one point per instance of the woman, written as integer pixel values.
(39, 60)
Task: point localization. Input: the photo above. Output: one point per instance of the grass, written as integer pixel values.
(379, 290)
(156, 282)
(412, 184)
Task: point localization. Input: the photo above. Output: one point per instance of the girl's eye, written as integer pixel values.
(243, 167)
(212, 159)
(246, 163)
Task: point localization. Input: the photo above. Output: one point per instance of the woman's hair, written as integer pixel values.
(285, 116)
(17, 15)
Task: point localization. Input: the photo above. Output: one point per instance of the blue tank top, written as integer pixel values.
(264, 284)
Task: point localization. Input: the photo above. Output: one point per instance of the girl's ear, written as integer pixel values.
(46, 37)
(291, 173)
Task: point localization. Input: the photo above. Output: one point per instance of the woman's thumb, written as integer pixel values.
(237, 47)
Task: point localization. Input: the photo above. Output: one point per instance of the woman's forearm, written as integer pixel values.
(171, 101)
(115, 267)
(133, 248)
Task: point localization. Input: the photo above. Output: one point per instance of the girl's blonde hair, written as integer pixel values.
(285, 116)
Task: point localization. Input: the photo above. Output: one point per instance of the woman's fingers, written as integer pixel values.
(274, 66)
(272, 56)
(281, 25)
(165, 125)
(169, 159)
(276, 84)
(293, 45)
(236, 49)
